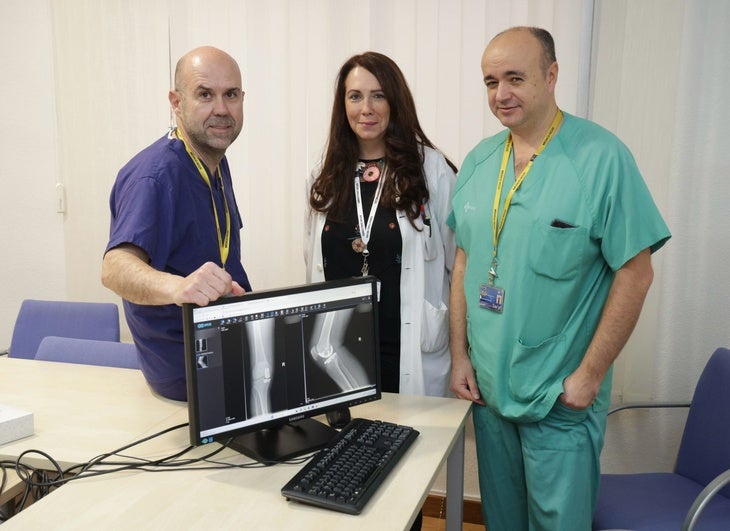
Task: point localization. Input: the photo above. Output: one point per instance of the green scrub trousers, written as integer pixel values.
(555, 460)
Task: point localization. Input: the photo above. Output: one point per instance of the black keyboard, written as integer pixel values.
(345, 474)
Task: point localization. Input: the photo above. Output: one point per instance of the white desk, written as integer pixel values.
(250, 498)
(78, 410)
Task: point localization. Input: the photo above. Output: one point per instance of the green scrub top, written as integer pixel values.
(581, 213)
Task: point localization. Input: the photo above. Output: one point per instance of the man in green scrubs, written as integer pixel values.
(555, 228)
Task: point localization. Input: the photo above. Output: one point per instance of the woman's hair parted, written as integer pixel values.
(405, 189)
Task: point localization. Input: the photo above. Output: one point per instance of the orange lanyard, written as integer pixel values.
(224, 241)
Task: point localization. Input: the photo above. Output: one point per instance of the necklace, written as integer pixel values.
(368, 171)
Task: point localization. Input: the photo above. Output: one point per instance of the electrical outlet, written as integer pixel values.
(60, 198)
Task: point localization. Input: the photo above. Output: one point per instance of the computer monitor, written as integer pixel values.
(259, 366)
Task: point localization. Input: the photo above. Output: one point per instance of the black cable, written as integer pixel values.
(30, 489)
(39, 482)
(3, 482)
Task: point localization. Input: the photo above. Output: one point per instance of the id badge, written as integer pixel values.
(491, 298)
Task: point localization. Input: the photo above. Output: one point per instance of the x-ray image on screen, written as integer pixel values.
(273, 359)
(329, 351)
(261, 346)
(335, 349)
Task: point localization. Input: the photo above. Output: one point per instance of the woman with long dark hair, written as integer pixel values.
(377, 205)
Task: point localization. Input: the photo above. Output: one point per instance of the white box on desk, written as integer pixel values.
(14, 424)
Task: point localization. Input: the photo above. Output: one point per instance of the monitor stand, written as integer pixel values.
(284, 442)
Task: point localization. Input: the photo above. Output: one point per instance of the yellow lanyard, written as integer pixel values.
(224, 241)
(497, 227)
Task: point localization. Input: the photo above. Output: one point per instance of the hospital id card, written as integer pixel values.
(491, 298)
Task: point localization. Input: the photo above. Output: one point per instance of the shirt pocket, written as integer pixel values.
(557, 252)
(553, 280)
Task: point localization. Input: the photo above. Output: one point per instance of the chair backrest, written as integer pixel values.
(88, 352)
(38, 319)
(705, 448)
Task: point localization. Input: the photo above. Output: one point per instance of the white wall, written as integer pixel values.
(629, 54)
(31, 231)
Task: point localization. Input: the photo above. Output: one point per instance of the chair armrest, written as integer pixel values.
(703, 498)
(647, 405)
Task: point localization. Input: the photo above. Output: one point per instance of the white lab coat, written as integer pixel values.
(427, 262)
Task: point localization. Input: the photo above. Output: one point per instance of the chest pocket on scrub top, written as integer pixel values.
(552, 279)
(556, 252)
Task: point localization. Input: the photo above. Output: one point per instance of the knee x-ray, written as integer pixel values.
(261, 344)
(329, 349)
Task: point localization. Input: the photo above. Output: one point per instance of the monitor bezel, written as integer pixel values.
(196, 438)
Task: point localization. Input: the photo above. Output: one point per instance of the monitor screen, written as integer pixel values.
(261, 365)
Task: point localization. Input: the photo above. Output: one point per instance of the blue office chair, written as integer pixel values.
(88, 352)
(38, 319)
(697, 494)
